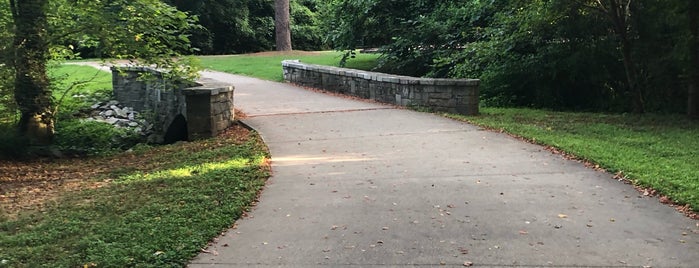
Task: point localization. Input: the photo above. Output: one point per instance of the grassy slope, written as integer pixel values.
(156, 207)
(268, 66)
(655, 151)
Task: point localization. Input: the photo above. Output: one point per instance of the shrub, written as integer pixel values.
(84, 137)
(11, 144)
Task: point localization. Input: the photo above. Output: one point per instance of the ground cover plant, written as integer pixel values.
(267, 65)
(151, 207)
(656, 151)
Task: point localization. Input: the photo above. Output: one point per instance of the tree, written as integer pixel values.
(619, 13)
(282, 25)
(145, 31)
(32, 91)
(693, 92)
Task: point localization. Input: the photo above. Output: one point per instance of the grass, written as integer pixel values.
(77, 87)
(268, 65)
(154, 207)
(656, 151)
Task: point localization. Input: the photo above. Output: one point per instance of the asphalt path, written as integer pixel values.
(361, 184)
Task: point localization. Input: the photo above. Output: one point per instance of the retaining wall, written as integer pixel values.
(206, 105)
(445, 95)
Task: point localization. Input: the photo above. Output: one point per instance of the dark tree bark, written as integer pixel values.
(32, 92)
(693, 93)
(619, 14)
(282, 25)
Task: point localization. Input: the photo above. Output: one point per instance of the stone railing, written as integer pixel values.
(446, 95)
(179, 110)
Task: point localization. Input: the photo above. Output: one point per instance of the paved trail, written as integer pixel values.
(358, 184)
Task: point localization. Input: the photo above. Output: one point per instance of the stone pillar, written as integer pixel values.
(209, 110)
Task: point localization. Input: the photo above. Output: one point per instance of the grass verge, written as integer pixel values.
(153, 207)
(268, 66)
(656, 151)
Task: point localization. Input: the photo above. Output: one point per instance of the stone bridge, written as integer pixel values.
(178, 110)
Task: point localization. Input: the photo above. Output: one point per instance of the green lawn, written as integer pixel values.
(268, 65)
(77, 87)
(657, 151)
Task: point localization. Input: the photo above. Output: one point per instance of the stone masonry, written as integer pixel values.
(444, 95)
(206, 106)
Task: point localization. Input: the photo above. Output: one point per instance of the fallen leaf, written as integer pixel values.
(562, 216)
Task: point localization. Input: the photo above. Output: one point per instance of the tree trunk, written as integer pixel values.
(620, 14)
(32, 92)
(693, 92)
(282, 25)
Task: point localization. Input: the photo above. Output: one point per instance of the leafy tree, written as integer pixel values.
(32, 92)
(231, 26)
(242, 26)
(603, 55)
(146, 31)
(693, 92)
(306, 25)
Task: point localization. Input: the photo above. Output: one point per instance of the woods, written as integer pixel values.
(583, 55)
(607, 55)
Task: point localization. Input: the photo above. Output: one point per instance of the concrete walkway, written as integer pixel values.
(358, 184)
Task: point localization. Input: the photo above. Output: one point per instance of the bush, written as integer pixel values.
(84, 137)
(11, 144)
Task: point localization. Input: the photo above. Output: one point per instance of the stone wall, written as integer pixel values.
(445, 95)
(207, 106)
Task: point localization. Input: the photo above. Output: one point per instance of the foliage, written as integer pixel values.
(7, 105)
(147, 31)
(241, 26)
(657, 151)
(76, 89)
(268, 66)
(540, 53)
(84, 137)
(12, 145)
(155, 207)
(306, 31)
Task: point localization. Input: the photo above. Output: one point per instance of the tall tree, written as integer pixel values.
(282, 25)
(619, 13)
(32, 92)
(693, 92)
